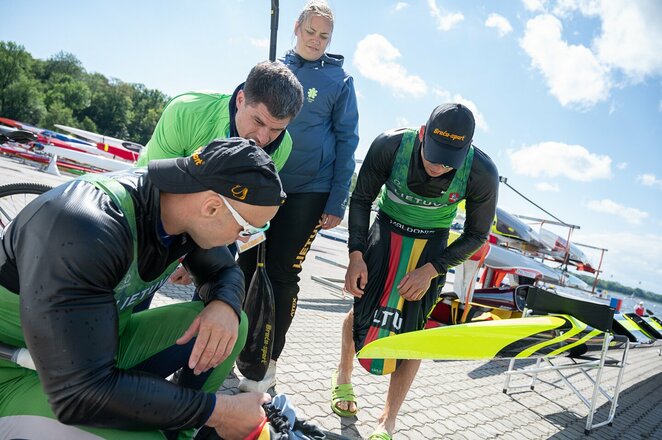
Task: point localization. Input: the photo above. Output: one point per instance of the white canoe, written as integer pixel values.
(88, 159)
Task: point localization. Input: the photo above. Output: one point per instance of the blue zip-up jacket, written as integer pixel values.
(325, 132)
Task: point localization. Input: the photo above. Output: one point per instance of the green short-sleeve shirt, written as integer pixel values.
(193, 120)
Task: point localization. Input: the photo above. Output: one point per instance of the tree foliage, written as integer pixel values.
(59, 91)
(614, 286)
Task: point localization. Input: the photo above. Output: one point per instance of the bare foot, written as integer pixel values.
(345, 405)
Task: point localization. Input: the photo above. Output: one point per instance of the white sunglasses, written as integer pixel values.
(248, 229)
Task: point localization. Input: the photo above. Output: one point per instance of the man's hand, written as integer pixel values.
(330, 221)
(216, 327)
(356, 276)
(234, 417)
(181, 276)
(413, 286)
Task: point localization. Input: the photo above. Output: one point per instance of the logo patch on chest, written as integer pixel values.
(312, 94)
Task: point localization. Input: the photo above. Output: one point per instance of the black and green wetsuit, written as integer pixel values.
(73, 264)
(411, 229)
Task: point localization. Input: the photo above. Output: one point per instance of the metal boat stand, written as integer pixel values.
(597, 316)
(584, 365)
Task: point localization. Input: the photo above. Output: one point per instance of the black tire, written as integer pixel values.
(15, 196)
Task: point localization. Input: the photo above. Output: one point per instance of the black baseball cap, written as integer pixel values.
(235, 168)
(448, 135)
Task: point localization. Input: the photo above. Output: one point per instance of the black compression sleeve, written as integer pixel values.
(374, 172)
(481, 201)
(217, 276)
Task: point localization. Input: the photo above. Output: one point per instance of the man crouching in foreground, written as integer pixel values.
(75, 262)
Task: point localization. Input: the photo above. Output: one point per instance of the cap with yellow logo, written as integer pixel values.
(235, 168)
(448, 135)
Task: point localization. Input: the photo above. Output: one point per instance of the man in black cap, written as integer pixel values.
(75, 262)
(397, 269)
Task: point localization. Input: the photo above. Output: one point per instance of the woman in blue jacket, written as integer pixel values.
(317, 174)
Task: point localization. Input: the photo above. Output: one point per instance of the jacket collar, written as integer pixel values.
(291, 57)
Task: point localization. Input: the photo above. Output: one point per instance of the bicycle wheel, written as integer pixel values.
(14, 197)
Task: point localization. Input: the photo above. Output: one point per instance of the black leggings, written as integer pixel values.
(289, 237)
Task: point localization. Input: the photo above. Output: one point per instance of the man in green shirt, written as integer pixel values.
(259, 109)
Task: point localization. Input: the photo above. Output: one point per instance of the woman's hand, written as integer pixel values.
(330, 221)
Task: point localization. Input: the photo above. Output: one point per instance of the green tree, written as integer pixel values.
(88, 124)
(111, 105)
(24, 101)
(72, 92)
(147, 108)
(15, 74)
(63, 64)
(58, 113)
(60, 91)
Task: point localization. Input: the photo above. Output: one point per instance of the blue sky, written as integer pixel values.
(567, 93)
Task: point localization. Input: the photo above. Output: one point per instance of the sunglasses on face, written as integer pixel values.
(248, 229)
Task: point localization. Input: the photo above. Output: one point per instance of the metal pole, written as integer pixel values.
(566, 258)
(274, 30)
(597, 272)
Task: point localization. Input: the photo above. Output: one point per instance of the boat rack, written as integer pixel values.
(595, 315)
(333, 284)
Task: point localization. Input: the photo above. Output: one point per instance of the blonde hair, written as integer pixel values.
(315, 8)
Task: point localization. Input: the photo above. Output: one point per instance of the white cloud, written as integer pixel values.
(649, 180)
(399, 6)
(629, 41)
(262, 43)
(445, 22)
(545, 186)
(446, 96)
(478, 116)
(401, 121)
(500, 23)
(563, 8)
(554, 159)
(375, 59)
(612, 108)
(534, 5)
(631, 256)
(573, 73)
(621, 166)
(633, 216)
(631, 38)
(442, 94)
